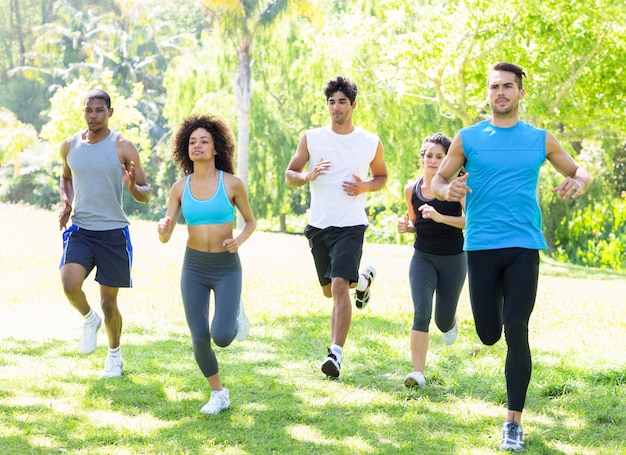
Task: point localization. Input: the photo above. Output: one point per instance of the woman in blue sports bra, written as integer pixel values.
(207, 196)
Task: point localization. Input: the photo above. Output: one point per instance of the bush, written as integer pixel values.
(594, 236)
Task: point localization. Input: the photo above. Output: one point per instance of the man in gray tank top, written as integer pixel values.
(97, 164)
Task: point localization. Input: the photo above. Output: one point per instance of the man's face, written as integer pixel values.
(503, 92)
(96, 114)
(340, 108)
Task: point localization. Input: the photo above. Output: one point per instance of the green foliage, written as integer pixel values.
(39, 188)
(52, 402)
(420, 67)
(594, 235)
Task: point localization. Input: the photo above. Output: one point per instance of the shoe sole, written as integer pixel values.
(330, 370)
(411, 383)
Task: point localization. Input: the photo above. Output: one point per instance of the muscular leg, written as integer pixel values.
(342, 311)
(112, 315)
(72, 278)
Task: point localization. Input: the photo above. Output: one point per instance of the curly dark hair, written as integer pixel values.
(436, 138)
(343, 85)
(223, 140)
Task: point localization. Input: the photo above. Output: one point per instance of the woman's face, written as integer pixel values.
(432, 157)
(201, 145)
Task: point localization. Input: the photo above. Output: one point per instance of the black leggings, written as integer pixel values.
(202, 273)
(445, 275)
(503, 288)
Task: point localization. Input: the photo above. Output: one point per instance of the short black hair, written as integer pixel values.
(99, 94)
(343, 85)
(511, 68)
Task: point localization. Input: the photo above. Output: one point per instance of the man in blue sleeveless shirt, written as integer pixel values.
(502, 158)
(97, 164)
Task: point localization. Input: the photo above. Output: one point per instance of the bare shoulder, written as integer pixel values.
(65, 147)
(232, 181)
(552, 144)
(124, 143)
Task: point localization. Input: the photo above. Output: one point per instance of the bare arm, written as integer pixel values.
(407, 223)
(134, 175)
(66, 187)
(378, 170)
(166, 225)
(576, 180)
(442, 186)
(241, 201)
(429, 212)
(295, 175)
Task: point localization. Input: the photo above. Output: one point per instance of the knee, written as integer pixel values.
(421, 322)
(328, 293)
(489, 339)
(109, 306)
(200, 338)
(223, 341)
(71, 287)
(223, 338)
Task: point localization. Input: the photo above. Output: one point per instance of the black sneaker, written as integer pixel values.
(512, 437)
(330, 366)
(362, 298)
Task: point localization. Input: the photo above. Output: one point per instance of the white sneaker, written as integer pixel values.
(362, 298)
(415, 379)
(512, 437)
(243, 324)
(113, 367)
(219, 401)
(450, 336)
(89, 337)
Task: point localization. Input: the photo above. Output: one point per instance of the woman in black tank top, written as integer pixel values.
(438, 263)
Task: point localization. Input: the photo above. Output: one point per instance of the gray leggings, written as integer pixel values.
(429, 273)
(202, 273)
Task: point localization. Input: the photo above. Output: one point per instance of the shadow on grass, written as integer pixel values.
(280, 402)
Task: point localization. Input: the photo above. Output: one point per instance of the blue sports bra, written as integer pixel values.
(215, 210)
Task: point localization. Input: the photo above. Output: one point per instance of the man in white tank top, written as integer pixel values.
(344, 162)
(97, 164)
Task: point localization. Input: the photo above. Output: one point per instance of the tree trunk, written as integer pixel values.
(243, 97)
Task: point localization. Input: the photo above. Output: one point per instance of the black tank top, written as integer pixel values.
(431, 237)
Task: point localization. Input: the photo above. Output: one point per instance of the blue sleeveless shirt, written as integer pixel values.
(502, 211)
(215, 210)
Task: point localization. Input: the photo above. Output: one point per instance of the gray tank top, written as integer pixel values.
(98, 184)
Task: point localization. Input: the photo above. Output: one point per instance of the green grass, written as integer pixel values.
(51, 401)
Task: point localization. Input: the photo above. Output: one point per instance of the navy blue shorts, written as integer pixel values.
(336, 251)
(110, 252)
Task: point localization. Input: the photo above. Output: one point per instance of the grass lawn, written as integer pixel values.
(51, 400)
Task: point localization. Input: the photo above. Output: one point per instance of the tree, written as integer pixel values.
(15, 136)
(240, 22)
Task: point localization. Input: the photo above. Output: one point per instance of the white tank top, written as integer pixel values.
(349, 154)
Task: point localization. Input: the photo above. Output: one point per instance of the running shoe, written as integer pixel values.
(219, 401)
(113, 367)
(243, 324)
(362, 298)
(331, 367)
(89, 336)
(450, 336)
(512, 434)
(415, 379)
